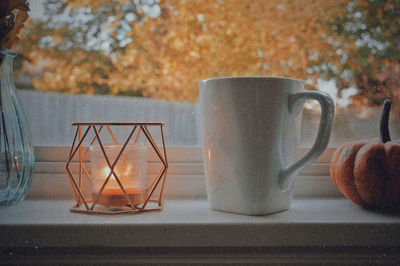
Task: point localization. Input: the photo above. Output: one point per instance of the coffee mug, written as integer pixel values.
(250, 134)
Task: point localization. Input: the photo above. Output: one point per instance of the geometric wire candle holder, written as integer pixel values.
(98, 201)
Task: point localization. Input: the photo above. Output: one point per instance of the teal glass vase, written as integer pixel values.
(16, 151)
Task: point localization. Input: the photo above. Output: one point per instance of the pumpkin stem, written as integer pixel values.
(384, 125)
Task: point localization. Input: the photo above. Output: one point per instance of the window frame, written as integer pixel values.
(185, 177)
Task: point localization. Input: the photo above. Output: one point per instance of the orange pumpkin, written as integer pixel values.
(368, 171)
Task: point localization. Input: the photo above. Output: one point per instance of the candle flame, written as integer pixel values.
(107, 171)
(128, 170)
(124, 177)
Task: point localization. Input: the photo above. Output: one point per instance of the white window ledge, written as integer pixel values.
(320, 227)
(319, 223)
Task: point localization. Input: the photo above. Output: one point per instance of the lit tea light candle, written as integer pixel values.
(131, 170)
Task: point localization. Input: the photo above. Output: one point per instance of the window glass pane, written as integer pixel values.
(141, 60)
(51, 115)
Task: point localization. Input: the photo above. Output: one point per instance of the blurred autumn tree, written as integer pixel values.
(162, 49)
(366, 42)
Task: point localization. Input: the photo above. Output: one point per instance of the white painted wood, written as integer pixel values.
(326, 231)
(314, 230)
(325, 157)
(185, 176)
(57, 186)
(191, 223)
(174, 154)
(203, 256)
(174, 168)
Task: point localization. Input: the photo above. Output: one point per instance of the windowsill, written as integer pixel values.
(319, 227)
(191, 223)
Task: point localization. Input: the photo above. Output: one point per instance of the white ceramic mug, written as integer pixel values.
(250, 133)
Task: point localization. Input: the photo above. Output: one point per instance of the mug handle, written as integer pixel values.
(296, 100)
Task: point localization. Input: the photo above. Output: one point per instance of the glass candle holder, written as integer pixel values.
(130, 169)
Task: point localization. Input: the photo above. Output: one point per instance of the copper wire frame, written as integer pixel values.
(77, 149)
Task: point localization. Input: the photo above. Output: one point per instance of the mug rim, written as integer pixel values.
(253, 77)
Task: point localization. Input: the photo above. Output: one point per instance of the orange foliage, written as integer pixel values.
(194, 40)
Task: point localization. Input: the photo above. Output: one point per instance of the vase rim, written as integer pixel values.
(5, 51)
